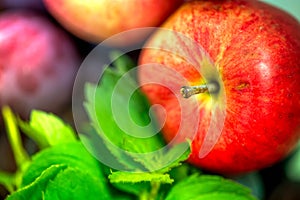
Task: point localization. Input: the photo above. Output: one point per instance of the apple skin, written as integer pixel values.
(38, 63)
(96, 20)
(256, 48)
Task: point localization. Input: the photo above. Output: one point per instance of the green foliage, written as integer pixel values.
(46, 129)
(35, 189)
(98, 100)
(207, 187)
(70, 154)
(62, 182)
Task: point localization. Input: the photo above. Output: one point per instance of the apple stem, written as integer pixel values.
(188, 91)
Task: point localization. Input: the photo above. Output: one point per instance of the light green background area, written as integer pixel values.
(292, 6)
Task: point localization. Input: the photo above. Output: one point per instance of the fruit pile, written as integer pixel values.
(224, 72)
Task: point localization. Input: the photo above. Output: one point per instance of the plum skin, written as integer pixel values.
(38, 63)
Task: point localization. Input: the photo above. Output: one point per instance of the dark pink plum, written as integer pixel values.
(38, 63)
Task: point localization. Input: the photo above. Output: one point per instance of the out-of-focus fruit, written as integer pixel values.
(96, 20)
(255, 48)
(30, 4)
(38, 63)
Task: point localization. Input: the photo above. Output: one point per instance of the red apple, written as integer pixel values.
(38, 63)
(95, 21)
(255, 50)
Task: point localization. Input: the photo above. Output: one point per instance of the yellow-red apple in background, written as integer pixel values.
(96, 20)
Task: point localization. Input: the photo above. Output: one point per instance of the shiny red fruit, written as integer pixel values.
(255, 48)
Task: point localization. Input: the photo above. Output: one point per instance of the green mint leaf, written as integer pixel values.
(100, 143)
(141, 183)
(206, 187)
(119, 142)
(144, 185)
(76, 184)
(138, 108)
(34, 190)
(175, 155)
(71, 155)
(46, 129)
(138, 183)
(163, 161)
(62, 182)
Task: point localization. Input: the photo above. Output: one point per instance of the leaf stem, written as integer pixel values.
(154, 189)
(14, 138)
(152, 194)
